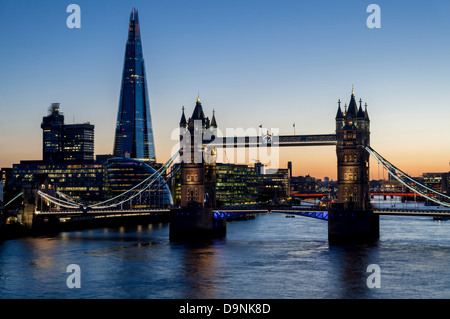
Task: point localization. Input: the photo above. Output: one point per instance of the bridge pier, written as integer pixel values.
(195, 223)
(346, 226)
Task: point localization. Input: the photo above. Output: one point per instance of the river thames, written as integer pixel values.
(269, 257)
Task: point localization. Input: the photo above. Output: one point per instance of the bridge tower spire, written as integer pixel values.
(351, 217)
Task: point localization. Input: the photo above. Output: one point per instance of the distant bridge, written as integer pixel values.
(411, 212)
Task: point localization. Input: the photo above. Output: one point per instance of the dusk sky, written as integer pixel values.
(256, 62)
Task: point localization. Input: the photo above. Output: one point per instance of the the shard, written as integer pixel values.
(134, 133)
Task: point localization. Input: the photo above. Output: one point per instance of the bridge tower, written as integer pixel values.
(351, 218)
(195, 217)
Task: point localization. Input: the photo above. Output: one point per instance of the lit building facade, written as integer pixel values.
(78, 142)
(86, 181)
(440, 182)
(237, 184)
(275, 185)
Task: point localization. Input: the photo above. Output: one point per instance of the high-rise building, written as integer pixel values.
(78, 143)
(66, 142)
(52, 126)
(134, 133)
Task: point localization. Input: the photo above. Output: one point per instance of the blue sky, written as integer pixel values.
(255, 62)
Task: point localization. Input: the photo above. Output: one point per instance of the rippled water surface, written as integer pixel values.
(267, 257)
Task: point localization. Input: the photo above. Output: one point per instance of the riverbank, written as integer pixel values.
(17, 230)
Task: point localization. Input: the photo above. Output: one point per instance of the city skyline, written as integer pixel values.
(251, 72)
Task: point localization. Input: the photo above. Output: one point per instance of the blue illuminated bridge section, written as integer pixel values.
(323, 214)
(243, 214)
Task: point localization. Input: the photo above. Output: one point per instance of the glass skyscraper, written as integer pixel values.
(134, 133)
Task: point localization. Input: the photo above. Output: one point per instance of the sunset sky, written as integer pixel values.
(256, 62)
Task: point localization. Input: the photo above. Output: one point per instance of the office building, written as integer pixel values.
(78, 142)
(84, 181)
(236, 184)
(65, 142)
(52, 135)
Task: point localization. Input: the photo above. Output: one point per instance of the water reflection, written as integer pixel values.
(349, 270)
(200, 267)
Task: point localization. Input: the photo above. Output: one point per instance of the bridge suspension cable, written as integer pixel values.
(12, 200)
(410, 183)
(171, 175)
(70, 198)
(72, 203)
(57, 201)
(134, 191)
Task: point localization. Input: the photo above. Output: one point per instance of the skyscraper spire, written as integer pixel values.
(134, 133)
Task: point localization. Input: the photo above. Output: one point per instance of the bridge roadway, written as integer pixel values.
(110, 213)
(378, 211)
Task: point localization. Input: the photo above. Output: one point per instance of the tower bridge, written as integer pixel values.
(351, 217)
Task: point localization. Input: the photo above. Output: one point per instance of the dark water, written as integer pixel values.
(268, 257)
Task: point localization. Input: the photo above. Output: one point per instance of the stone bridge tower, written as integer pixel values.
(195, 217)
(351, 218)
